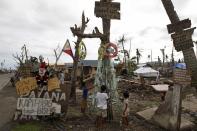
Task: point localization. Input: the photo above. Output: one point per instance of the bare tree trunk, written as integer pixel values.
(124, 55)
(74, 78)
(76, 30)
(26, 53)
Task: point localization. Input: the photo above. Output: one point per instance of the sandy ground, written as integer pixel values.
(140, 99)
(4, 79)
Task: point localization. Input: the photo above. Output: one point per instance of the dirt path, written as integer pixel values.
(4, 79)
(7, 100)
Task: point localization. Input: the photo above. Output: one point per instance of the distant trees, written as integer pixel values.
(138, 55)
(132, 65)
(149, 58)
(23, 57)
(163, 56)
(57, 54)
(122, 40)
(172, 57)
(159, 61)
(166, 57)
(2, 64)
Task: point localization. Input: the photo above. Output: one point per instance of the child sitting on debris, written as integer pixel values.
(101, 102)
(84, 97)
(125, 113)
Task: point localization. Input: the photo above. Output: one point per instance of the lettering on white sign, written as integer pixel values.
(34, 106)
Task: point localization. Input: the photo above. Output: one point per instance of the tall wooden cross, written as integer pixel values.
(107, 10)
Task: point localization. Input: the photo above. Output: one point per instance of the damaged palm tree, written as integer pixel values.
(168, 114)
(122, 40)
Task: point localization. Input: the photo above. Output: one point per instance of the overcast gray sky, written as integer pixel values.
(43, 24)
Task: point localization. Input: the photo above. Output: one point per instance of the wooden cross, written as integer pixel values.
(107, 10)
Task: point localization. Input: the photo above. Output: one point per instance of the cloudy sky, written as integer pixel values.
(43, 24)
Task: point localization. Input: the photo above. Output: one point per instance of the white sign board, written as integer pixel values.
(34, 106)
(161, 87)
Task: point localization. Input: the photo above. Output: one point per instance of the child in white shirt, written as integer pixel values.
(101, 103)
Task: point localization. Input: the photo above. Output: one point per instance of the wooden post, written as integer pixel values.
(168, 113)
(107, 10)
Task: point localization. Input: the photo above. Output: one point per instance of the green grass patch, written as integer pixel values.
(32, 126)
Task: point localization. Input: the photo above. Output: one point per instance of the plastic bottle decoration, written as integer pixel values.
(101, 51)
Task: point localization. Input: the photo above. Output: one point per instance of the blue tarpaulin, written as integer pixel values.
(180, 65)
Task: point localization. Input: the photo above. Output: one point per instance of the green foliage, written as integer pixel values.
(28, 127)
(138, 55)
(132, 65)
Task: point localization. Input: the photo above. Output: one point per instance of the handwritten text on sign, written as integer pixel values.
(183, 40)
(183, 24)
(108, 10)
(24, 86)
(182, 77)
(34, 106)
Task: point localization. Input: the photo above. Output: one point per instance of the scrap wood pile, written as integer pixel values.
(138, 92)
(132, 86)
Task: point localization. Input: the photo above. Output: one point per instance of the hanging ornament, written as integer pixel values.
(82, 51)
(111, 50)
(101, 51)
